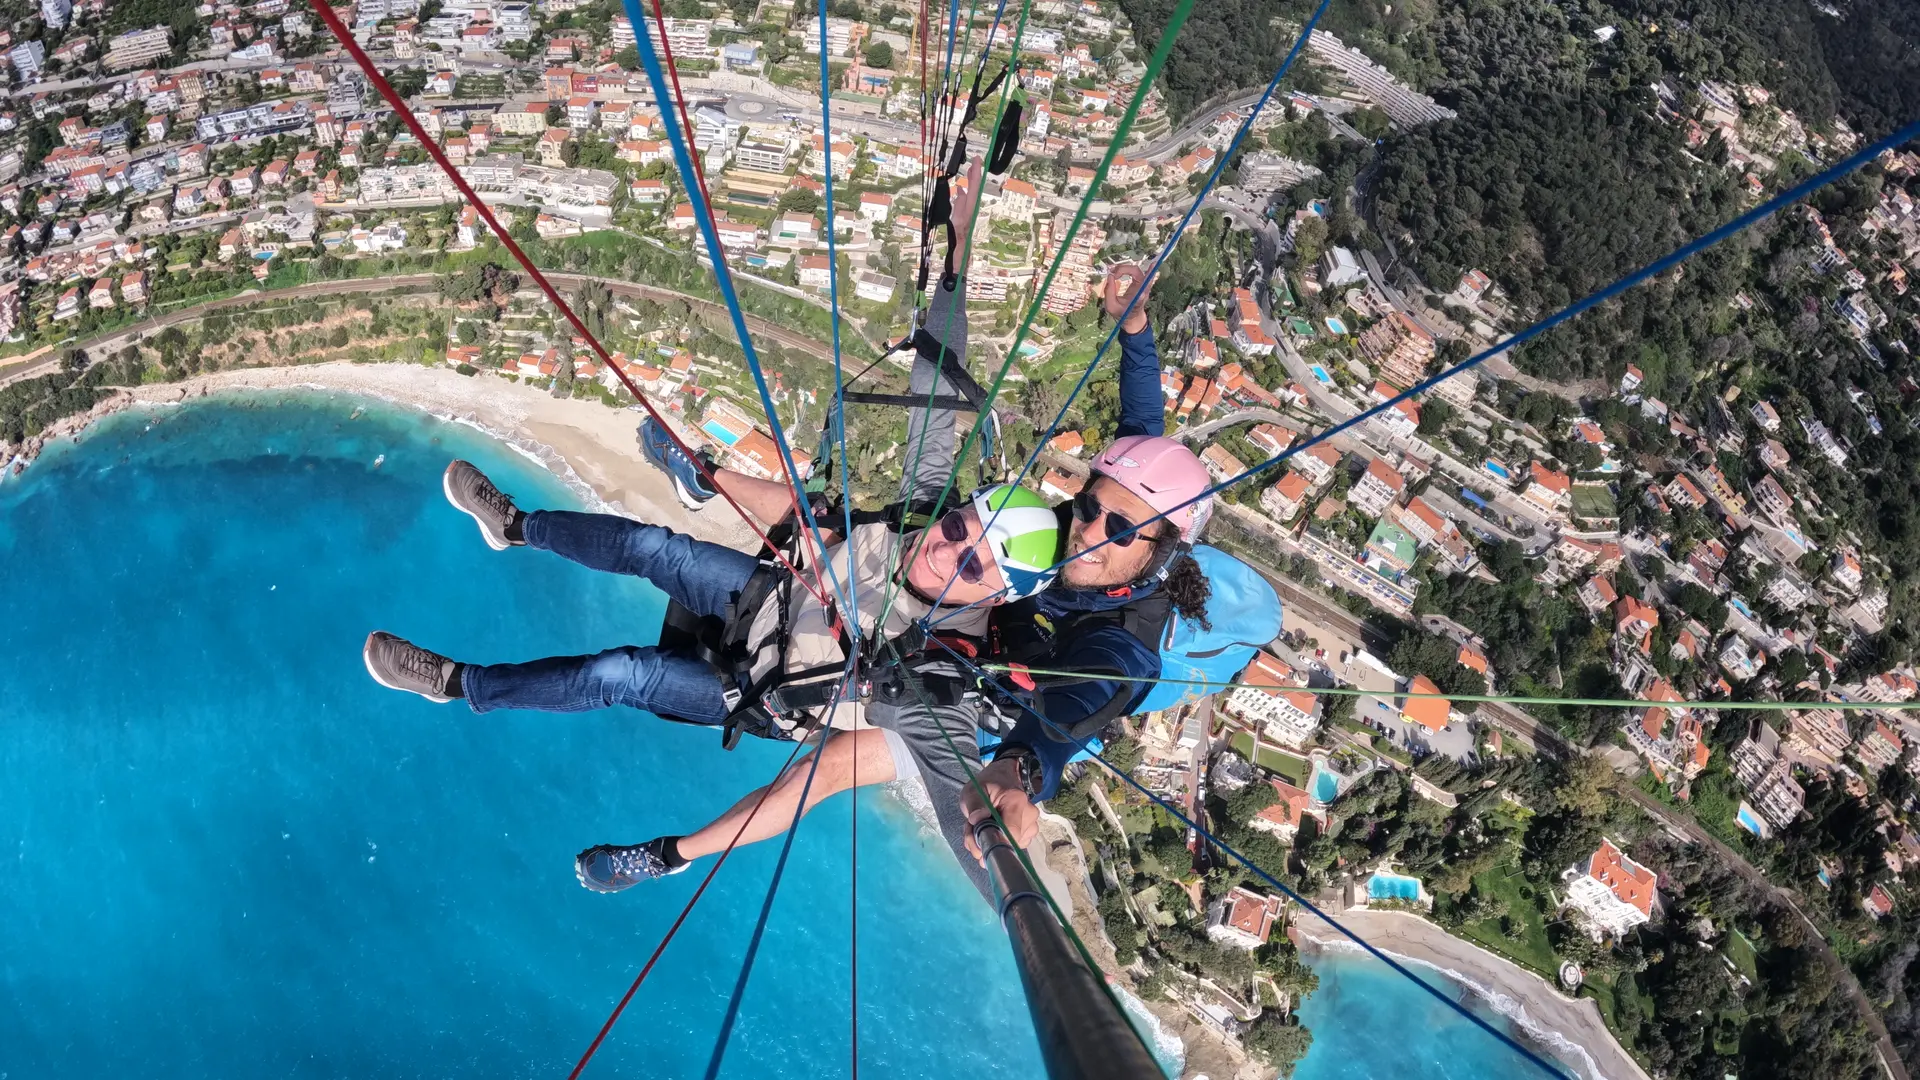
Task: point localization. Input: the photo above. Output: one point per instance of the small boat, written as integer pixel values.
(379, 461)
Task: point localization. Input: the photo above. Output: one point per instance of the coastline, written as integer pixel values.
(592, 448)
(588, 445)
(1569, 1028)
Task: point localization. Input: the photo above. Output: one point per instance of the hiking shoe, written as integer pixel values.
(693, 489)
(399, 664)
(469, 490)
(606, 868)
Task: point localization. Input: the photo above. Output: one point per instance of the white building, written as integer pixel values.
(1378, 488)
(1768, 778)
(873, 286)
(28, 58)
(839, 35)
(1614, 893)
(762, 155)
(1243, 918)
(136, 48)
(690, 39)
(1281, 710)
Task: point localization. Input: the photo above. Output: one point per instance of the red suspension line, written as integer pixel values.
(379, 81)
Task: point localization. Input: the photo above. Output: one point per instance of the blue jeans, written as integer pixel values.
(702, 577)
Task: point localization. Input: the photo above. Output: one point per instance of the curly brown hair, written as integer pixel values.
(1188, 588)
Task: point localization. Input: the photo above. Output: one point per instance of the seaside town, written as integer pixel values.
(1670, 888)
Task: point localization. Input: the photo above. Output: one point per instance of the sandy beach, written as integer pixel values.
(584, 442)
(1570, 1026)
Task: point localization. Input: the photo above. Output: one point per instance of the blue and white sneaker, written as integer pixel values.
(693, 489)
(606, 868)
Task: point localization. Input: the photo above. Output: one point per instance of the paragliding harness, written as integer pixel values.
(1243, 613)
(1006, 143)
(788, 705)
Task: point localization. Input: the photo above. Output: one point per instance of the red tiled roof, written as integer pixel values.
(1428, 712)
(1385, 473)
(1632, 883)
(1292, 805)
(1555, 482)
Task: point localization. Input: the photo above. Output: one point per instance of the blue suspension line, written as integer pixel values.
(1653, 269)
(773, 888)
(833, 295)
(1551, 1069)
(1219, 166)
(723, 275)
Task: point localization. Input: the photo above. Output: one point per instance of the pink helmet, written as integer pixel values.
(1164, 473)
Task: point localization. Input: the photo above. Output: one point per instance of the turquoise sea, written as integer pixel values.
(224, 852)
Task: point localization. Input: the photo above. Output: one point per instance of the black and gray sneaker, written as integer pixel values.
(399, 664)
(469, 490)
(608, 868)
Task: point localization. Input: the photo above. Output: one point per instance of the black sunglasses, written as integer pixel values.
(953, 527)
(1087, 508)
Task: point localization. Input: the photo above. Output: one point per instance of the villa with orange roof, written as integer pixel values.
(1473, 659)
(1880, 747)
(1612, 892)
(1547, 488)
(1243, 918)
(1291, 806)
(1432, 713)
(1283, 500)
(1635, 621)
(1378, 488)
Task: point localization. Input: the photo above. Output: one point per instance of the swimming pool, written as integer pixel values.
(1321, 374)
(1326, 784)
(1826, 879)
(1749, 821)
(1385, 886)
(1497, 469)
(1336, 327)
(715, 429)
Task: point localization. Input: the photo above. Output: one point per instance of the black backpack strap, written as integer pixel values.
(971, 395)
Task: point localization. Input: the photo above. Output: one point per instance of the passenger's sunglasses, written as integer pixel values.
(953, 528)
(1087, 509)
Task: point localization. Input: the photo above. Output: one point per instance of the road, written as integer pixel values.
(1392, 294)
(115, 339)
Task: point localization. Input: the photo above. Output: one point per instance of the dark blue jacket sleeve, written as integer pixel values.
(1107, 649)
(1142, 408)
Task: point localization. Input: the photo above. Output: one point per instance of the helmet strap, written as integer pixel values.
(1165, 552)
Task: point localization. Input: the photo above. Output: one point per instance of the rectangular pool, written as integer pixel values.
(1749, 821)
(1336, 327)
(1497, 469)
(1385, 886)
(719, 432)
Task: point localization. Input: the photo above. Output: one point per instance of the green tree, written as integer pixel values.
(800, 200)
(1280, 1043)
(1309, 241)
(880, 55)
(1370, 121)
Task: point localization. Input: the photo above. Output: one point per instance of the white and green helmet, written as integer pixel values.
(1023, 533)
